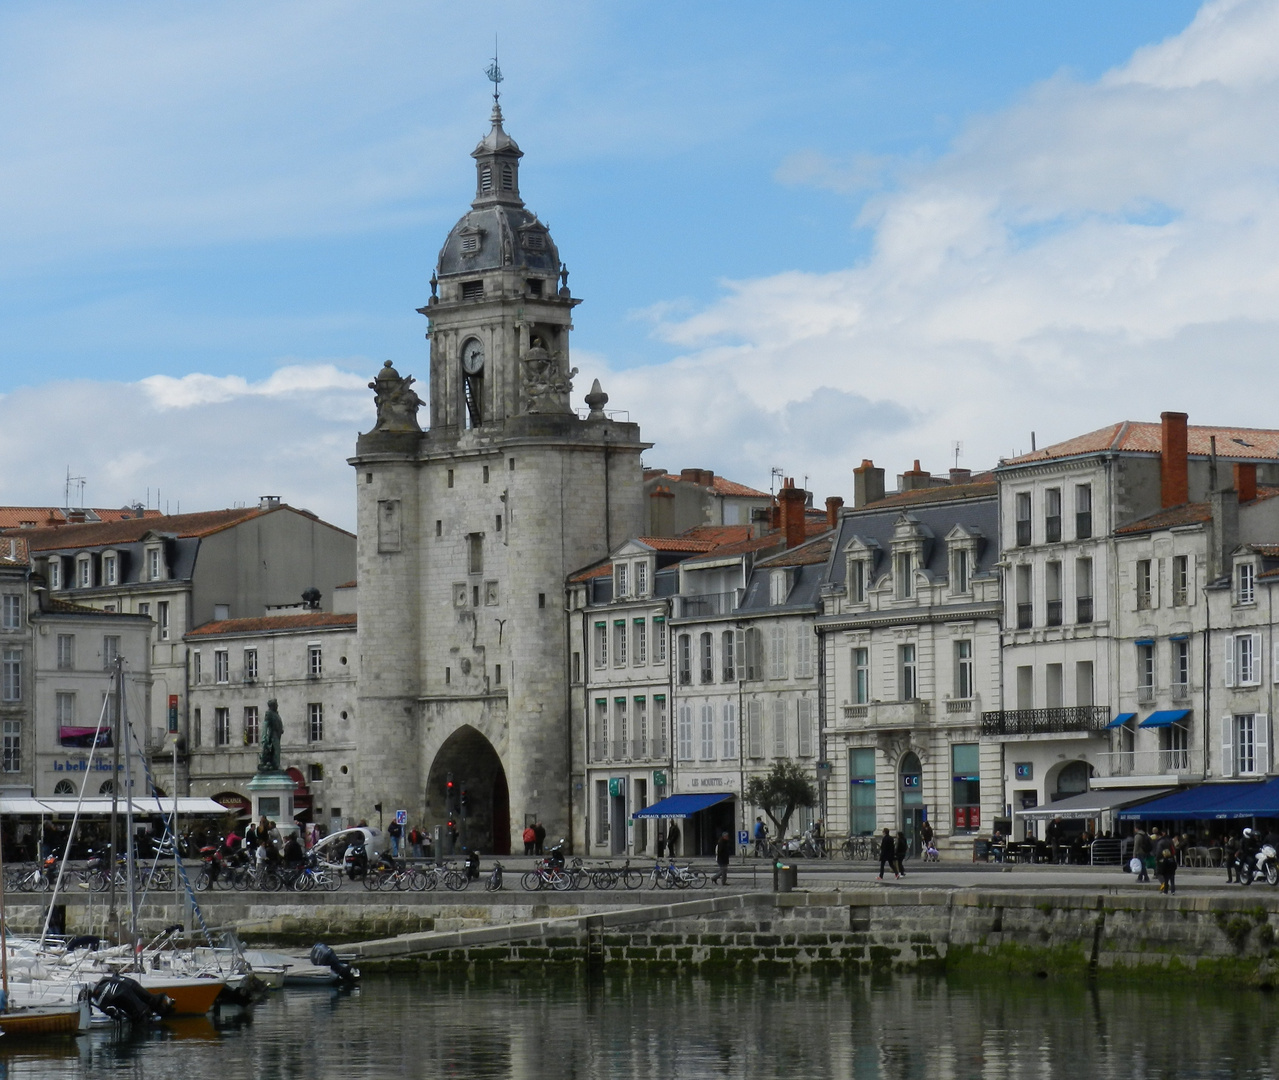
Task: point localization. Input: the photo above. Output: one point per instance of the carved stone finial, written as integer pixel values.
(435, 285)
(564, 280)
(396, 400)
(596, 399)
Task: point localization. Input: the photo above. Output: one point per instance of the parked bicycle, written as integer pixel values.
(677, 877)
(547, 876)
(493, 883)
(609, 876)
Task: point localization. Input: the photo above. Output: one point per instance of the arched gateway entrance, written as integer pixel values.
(481, 806)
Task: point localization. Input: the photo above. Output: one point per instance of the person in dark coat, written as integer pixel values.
(723, 855)
(539, 838)
(672, 840)
(899, 849)
(887, 855)
(1141, 851)
(1166, 863)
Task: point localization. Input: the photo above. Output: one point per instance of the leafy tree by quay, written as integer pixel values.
(785, 788)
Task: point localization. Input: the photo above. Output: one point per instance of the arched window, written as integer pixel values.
(1073, 779)
(508, 178)
(64, 787)
(486, 178)
(107, 787)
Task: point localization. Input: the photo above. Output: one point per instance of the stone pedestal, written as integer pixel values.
(272, 795)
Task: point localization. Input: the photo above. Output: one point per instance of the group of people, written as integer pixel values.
(892, 853)
(1160, 848)
(534, 839)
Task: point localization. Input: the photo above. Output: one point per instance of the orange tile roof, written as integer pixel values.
(347, 585)
(1135, 436)
(53, 606)
(975, 489)
(1169, 518)
(677, 543)
(13, 551)
(14, 517)
(604, 569)
(98, 534)
(810, 553)
(308, 620)
(720, 485)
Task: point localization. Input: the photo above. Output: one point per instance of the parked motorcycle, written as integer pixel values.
(1264, 867)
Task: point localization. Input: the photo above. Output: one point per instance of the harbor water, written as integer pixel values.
(644, 1026)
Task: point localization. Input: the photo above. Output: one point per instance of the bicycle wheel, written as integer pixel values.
(632, 879)
(372, 881)
(330, 880)
(202, 882)
(269, 881)
(161, 880)
(603, 879)
(562, 881)
(402, 880)
(697, 877)
(493, 883)
(531, 881)
(456, 880)
(664, 880)
(238, 879)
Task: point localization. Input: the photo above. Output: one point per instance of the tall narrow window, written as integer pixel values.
(162, 617)
(861, 676)
(66, 652)
(659, 640)
(660, 748)
(475, 553)
(1145, 671)
(315, 721)
(195, 668)
(684, 733)
(959, 571)
(314, 661)
(601, 730)
(11, 748)
(1025, 597)
(1180, 580)
(1180, 682)
(1244, 583)
(966, 786)
(153, 564)
(754, 649)
(729, 730)
(619, 643)
(727, 641)
(1052, 515)
(904, 575)
(642, 745)
(805, 742)
(619, 729)
(110, 651)
(639, 637)
(1143, 585)
(11, 611)
(621, 581)
(11, 675)
(252, 726)
(777, 651)
(1052, 590)
(109, 574)
(804, 651)
(861, 779)
(908, 686)
(641, 579)
(486, 178)
(1083, 683)
(963, 669)
(706, 651)
(708, 733)
(779, 728)
(1023, 519)
(601, 644)
(221, 727)
(1083, 591)
(856, 581)
(1053, 692)
(221, 669)
(685, 645)
(250, 665)
(1083, 511)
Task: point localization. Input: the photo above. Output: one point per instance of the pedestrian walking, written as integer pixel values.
(899, 849)
(926, 835)
(761, 837)
(530, 839)
(539, 838)
(1166, 862)
(672, 840)
(723, 855)
(1141, 852)
(887, 855)
(394, 832)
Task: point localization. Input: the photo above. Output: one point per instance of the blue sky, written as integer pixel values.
(217, 221)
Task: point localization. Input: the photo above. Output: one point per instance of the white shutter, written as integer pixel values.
(1156, 572)
(1261, 743)
(1230, 660)
(1274, 663)
(1227, 746)
(1256, 661)
(805, 727)
(754, 730)
(779, 728)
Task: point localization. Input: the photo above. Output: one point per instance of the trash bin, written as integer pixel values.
(785, 877)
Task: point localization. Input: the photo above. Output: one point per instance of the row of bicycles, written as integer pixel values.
(574, 875)
(41, 877)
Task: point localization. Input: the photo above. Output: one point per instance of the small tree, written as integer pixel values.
(778, 794)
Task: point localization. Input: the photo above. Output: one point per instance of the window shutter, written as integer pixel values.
(739, 652)
(1256, 661)
(754, 730)
(1227, 746)
(1133, 584)
(1230, 660)
(1261, 742)
(1274, 663)
(1156, 572)
(805, 728)
(779, 728)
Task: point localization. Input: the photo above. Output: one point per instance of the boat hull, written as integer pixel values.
(191, 997)
(44, 1021)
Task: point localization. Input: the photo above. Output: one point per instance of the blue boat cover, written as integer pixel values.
(1163, 718)
(682, 806)
(1209, 802)
(1121, 719)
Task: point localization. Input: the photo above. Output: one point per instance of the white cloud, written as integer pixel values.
(197, 443)
(1094, 252)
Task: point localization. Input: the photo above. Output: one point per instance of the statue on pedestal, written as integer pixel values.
(272, 729)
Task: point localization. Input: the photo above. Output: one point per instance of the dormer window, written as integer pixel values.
(110, 570)
(621, 581)
(1245, 587)
(904, 574)
(641, 578)
(534, 241)
(778, 587)
(470, 244)
(857, 574)
(960, 571)
(154, 566)
(84, 572)
(55, 572)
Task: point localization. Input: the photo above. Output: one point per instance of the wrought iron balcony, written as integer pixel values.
(706, 605)
(1045, 721)
(1139, 763)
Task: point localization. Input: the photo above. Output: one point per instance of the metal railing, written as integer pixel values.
(1179, 691)
(1145, 695)
(1045, 721)
(959, 705)
(1054, 613)
(707, 604)
(1145, 763)
(1025, 616)
(1083, 609)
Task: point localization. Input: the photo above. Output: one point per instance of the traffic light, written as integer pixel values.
(448, 794)
(463, 802)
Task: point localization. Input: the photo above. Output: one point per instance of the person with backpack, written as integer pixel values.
(530, 839)
(761, 838)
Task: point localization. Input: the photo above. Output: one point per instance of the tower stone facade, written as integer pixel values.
(468, 530)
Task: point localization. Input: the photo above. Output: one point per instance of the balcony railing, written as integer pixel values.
(1083, 609)
(1145, 695)
(1179, 691)
(1045, 721)
(705, 605)
(599, 750)
(959, 705)
(1025, 616)
(1023, 533)
(619, 750)
(890, 715)
(1052, 528)
(1054, 612)
(622, 750)
(1145, 763)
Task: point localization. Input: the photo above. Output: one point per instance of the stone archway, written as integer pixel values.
(485, 820)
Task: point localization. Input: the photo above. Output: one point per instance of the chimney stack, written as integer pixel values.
(1246, 480)
(661, 511)
(791, 501)
(914, 479)
(961, 476)
(1174, 481)
(833, 505)
(868, 483)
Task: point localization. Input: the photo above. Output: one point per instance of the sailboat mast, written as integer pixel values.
(113, 917)
(128, 822)
(4, 942)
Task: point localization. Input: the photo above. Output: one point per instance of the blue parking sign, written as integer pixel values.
(743, 838)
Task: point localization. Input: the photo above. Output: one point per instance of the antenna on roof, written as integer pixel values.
(775, 475)
(494, 72)
(78, 482)
(957, 448)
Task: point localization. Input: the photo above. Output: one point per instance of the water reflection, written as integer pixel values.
(530, 1027)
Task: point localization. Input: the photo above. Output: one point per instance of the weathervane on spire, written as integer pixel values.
(494, 72)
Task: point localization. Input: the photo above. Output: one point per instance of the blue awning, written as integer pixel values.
(1163, 718)
(682, 806)
(1121, 719)
(1209, 802)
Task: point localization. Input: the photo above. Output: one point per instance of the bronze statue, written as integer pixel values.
(272, 729)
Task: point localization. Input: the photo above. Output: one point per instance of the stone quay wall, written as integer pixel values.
(1063, 933)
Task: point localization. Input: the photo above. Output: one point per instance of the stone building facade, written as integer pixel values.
(306, 662)
(469, 530)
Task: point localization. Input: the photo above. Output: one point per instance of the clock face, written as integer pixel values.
(472, 357)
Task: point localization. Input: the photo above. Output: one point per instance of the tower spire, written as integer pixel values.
(495, 77)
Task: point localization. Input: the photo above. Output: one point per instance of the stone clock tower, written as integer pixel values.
(468, 530)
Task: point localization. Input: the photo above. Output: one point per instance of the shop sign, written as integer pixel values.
(615, 785)
(659, 778)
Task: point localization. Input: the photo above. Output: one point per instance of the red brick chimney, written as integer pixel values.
(1246, 480)
(833, 504)
(1174, 479)
(791, 501)
(914, 479)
